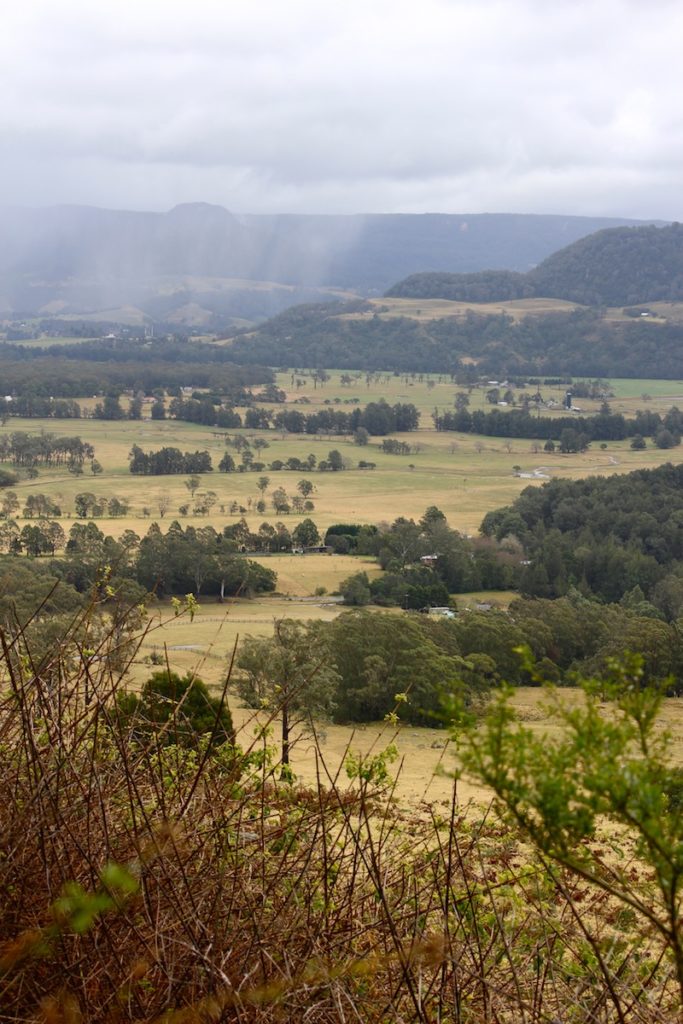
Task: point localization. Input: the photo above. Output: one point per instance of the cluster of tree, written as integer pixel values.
(604, 535)
(272, 538)
(616, 267)
(45, 449)
(377, 418)
(392, 446)
(605, 426)
(30, 405)
(351, 538)
(482, 286)
(352, 669)
(198, 560)
(37, 505)
(424, 561)
(334, 461)
(580, 341)
(88, 505)
(175, 710)
(168, 461)
(207, 410)
(362, 666)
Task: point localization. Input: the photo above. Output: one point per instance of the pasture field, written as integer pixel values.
(437, 309)
(463, 474)
(44, 342)
(436, 391)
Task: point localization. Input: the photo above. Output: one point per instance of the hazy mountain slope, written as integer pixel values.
(86, 259)
(616, 267)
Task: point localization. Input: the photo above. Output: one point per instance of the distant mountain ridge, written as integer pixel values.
(622, 266)
(204, 259)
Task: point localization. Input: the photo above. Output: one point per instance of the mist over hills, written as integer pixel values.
(201, 264)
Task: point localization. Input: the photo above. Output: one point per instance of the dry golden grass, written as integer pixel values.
(437, 309)
(463, 475)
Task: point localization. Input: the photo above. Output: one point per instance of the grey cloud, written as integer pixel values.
(303, 106)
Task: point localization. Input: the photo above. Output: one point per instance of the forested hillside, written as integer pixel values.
(578, 342)
(609, 536)
(616, 267)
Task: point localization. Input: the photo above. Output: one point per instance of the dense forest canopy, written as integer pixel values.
(578, 342)
(608, 536)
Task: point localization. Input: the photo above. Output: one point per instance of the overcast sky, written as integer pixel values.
(345, 106)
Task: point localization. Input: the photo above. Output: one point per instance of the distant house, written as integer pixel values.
(441, 610)
(429, 560)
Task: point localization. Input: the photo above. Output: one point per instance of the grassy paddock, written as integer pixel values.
(466, 476)
(437, 309)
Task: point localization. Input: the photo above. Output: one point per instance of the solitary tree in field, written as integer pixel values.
(192, 483)
(262, 484)
(305, 488)
(280, 500)
(289, 675)
(163, 503)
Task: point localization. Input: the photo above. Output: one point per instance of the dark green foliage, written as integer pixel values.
(168, 461)
(610, 765)
(381, 657)
(198, 560)
(604, 535)
(575, 432)
(452, 563)
(482, 286)
(40, 382)
(576, 342)
(415, 588)
(175, 710)
(377, 418)
(45, 449)
(28, 588)
(109, 409)
(7, 478)
(616, 267)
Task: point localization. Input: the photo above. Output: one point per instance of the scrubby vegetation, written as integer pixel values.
(143, 878)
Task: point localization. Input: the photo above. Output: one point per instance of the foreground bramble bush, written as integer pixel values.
(144, 881)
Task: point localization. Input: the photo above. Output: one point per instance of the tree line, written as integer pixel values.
(604, 426)
(27, 450)
(60, 376)
(168, 460)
